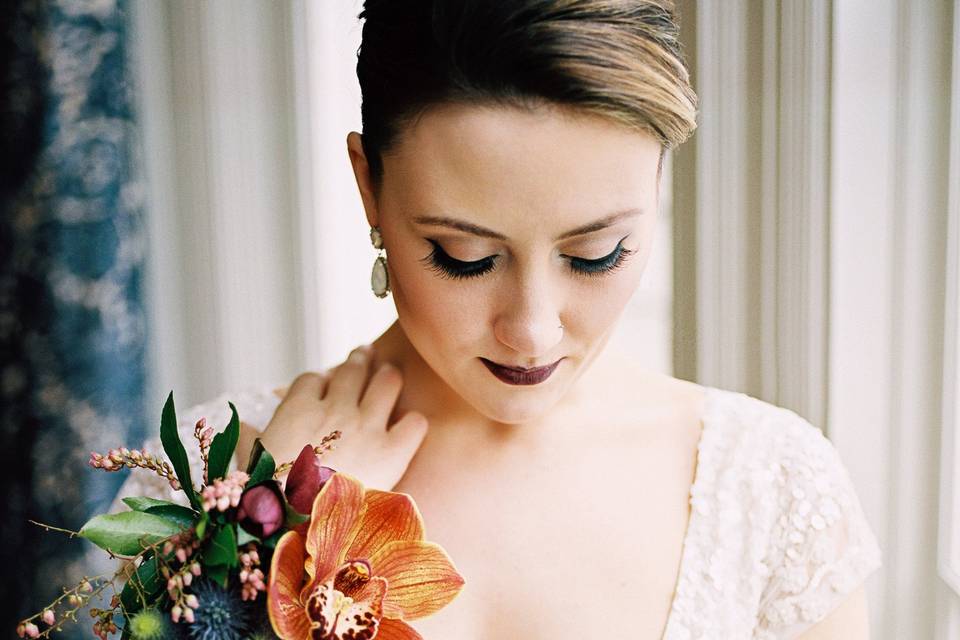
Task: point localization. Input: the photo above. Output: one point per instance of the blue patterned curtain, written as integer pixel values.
(71, 314)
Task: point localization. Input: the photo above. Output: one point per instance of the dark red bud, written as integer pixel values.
(307, 476)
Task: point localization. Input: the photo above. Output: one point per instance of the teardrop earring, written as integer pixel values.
(379, 280)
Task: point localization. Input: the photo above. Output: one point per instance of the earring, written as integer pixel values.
(379, 280)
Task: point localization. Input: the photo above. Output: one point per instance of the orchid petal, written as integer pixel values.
(336, 513)
(421, 578)
(287, 615)
(392, 629)
(389, 516)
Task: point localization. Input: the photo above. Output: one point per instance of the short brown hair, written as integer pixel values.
(620, 59)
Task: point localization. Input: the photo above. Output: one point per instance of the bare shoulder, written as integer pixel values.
(645, 403)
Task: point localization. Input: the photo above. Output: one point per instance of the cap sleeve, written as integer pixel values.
(254, 407)
(821, 545)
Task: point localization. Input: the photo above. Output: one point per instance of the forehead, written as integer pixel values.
(496, 162)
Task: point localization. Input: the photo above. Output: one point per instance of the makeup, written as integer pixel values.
(520, 376)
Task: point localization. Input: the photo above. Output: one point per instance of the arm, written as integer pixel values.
(846, 622)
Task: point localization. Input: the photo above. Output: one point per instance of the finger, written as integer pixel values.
(382, 392)
(348, 379)
(407, 433)
(309, 385)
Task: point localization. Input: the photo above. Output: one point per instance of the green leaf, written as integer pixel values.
(261, 465)
(202, 523)
(142, 503)
(218, 573)
(222, 548)
(221, 449)
(173, 447)
(183, 516)
(271, 542)
(142, 587)
(292, 517)
(129, 532)
(243, 537)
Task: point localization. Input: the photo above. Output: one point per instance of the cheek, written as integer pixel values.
(597, 305)
(448, 311)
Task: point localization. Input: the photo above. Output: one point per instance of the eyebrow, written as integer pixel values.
(468, 227)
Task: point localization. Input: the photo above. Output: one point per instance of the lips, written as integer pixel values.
(516, 376)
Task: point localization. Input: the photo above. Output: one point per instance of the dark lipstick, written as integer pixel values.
(512, 375)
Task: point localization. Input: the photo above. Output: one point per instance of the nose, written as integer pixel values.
(530, 324)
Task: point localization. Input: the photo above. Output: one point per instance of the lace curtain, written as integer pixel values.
(72, 323)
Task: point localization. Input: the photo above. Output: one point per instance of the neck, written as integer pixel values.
(424, 391)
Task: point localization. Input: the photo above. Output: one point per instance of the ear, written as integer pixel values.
(361, 171)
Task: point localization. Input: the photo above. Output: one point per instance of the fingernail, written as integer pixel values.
(357, 356)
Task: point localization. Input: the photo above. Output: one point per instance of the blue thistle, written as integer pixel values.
(222, 615)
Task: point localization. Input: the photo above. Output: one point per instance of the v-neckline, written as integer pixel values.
(706, 423)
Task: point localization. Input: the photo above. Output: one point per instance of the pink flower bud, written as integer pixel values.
(223, 503)
(188, 615)
(31, 630)
(85, 587)
(181, 554)
(254, 556)
(243, 575)
(176, 612)
(47, 616)
(261, 510)
(195, 569)
(21, 629)
(192, 601)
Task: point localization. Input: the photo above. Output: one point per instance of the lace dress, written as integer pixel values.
(776, 537)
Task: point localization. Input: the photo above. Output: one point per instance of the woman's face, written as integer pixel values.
(499, 226)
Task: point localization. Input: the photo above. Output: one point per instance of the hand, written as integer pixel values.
(369, 449)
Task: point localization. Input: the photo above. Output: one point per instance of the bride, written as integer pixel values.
(509, 169)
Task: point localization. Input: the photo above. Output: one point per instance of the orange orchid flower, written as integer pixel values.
(362, 570)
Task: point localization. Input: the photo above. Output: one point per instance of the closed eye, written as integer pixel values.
(448, 267)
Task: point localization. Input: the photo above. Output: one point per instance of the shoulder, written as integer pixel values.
(817, 544)
(255, 407)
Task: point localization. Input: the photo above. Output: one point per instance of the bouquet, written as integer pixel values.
(342, 561)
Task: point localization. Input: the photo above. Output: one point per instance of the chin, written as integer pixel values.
(524, 407)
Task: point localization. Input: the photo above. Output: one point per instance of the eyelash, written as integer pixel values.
(448, 267)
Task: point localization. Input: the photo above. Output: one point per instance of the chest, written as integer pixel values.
(578, 539)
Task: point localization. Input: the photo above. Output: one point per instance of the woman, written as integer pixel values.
(510, 172)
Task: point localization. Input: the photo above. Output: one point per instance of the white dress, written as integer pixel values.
(776, 537)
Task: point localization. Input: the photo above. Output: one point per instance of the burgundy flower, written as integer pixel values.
(261, 510)
(307, 476)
